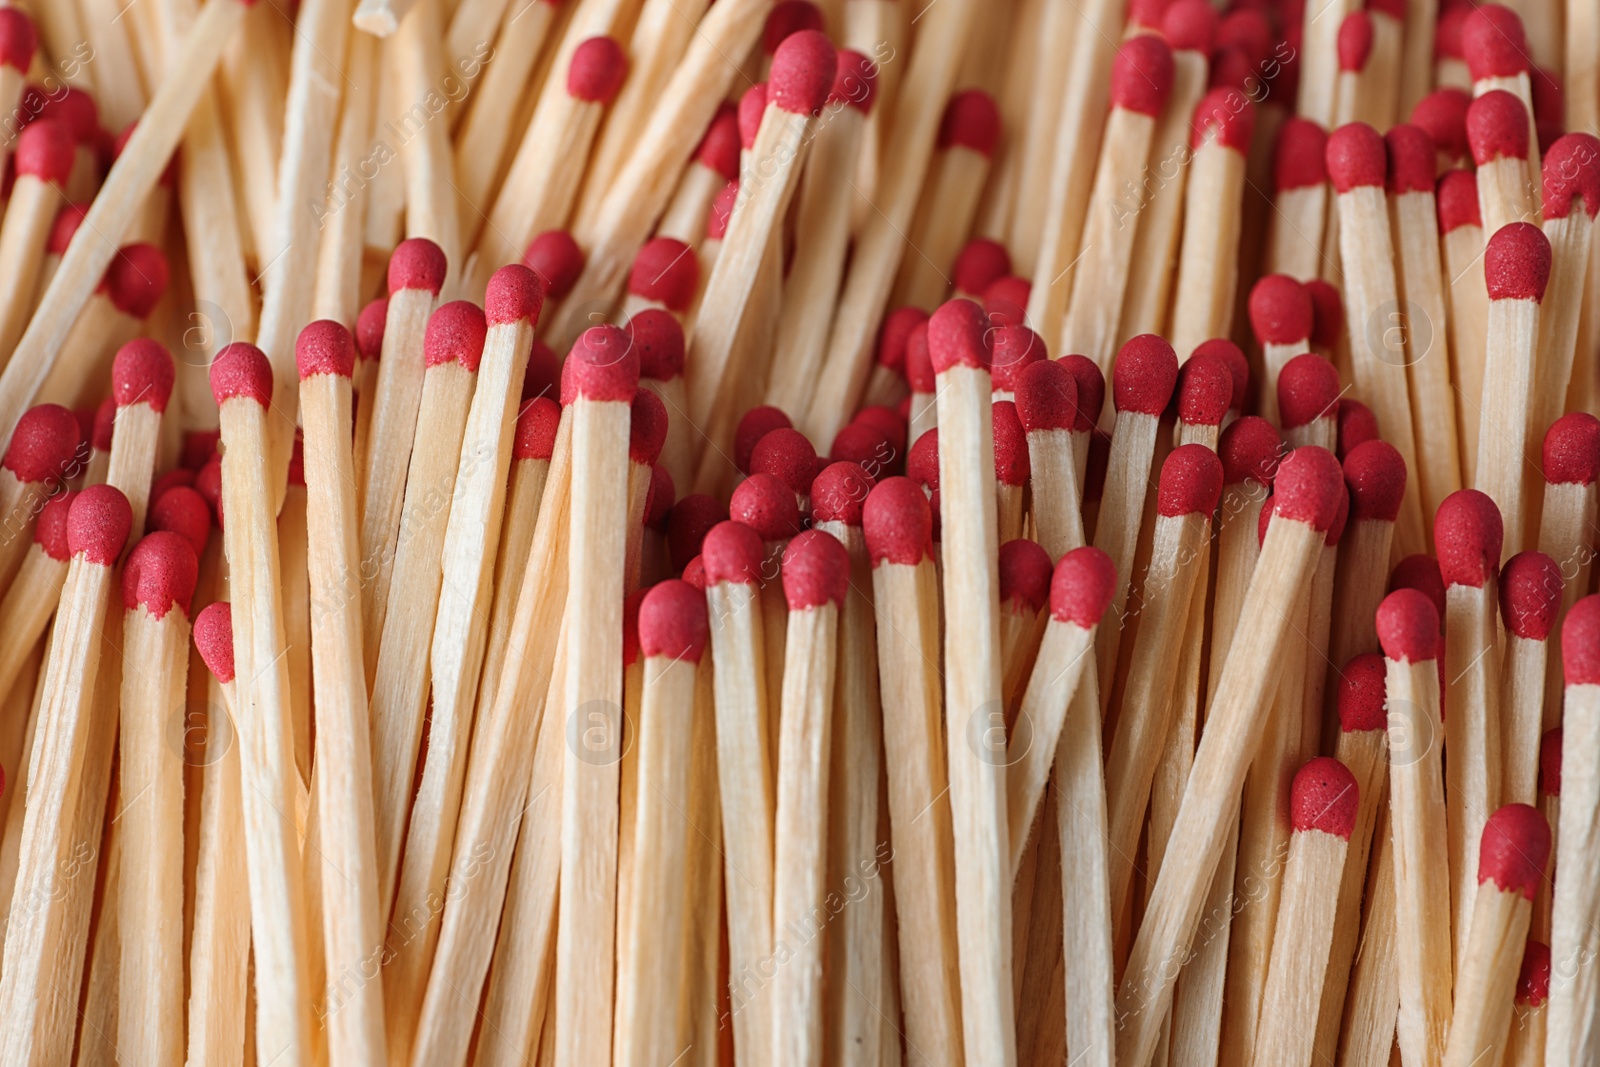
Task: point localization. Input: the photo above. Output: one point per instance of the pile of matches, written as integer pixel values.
(666, 533)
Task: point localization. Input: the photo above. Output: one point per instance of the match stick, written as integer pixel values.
(42, 455)
(1497, 131)
(126, 296)
(923, 382)
(1581, 70)
(1571, 199)
(816, 571)
(1571, 464)
(1318, 634)
(1375, 476)
(1280, 317)
(1380, 87)
(142, 377)
(1495, 47)
(1323, 806)
(33, 596)
(1300, 200)
(1308, 402)
(416, 273)
(342, 247)
(432, 209)
(1047, 403)
(1024, 587)
(665, 275)
(453, 350)
(714, 166)
(1516, 844)
(1011, 468)
(1416, 234)
(1016, 348)
(352, 928)
(368, 332)
(1308, 485)
(658, 338)
(1550, 806)
(1525, 1045)
(97, 527)
(1249, 449)
(43, 159)
(1141, 81)
(1224, 123)
(1357, 163)
(1443, 115)
(1530, 596)
(157, 586)
(604, 377)
(1462, 242)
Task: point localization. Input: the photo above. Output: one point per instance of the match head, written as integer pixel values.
(839, 493)
(241, 370)
(1280, 311)
(972, 121)
(719, 148)
(456, 333)
(514, 294)
(897, 522)
(542, 376)
(786, 18)
(753, 426)
(1091, 390)
(65, 228)
(1015, 349)
(920, 375)
(979, 265)
(752, 105)
(1011, 461)
(733, 552)
(767, 505)
(183, 511)
(416, 263)
(1420, 572)
(1550, 762)
(1356, 157)
(1443, 114)
(1309, 486)
(1232, 357)
(1327, 313)
(1408, 627)
(1413, 160)
(688, 523)
(1299, 157)
(1025, 574)
(535, 434)
(647, 428)
(1357, 426)
(922, 462)
(1514, 849)
(98, 523)
(658, 338)
(1082, 586)
(886, 420)
(1355, 42)
(1572, 176)
(105, 425)
(1141, 75)
(1571, 451)
(1497, 127)
(1375, 474)
(325, 347)
(1204, 391)
(555, 257)
(50, 529)
(958, 334)
(1362, 694)
(213, 636)
(369, 328)
(1457, 198)
(673, 623)
(1190, 26)
(789, 456)
(1006, 300)
(1530, 595)
(603, 365)
(860, 443)
(1230, 113)
(208, 483)
(895, 334)
(1494, 43)
(597, 70)
(1191, 482)
(1047, 397)
(135, 280)
(160, 574)
(1249, 450)
(1580, 642)
(802, 72)
(1324, 797)
(659, 499)
(855, 82)
(1308, 390)
(44, 444)
(667, 272)
(1468, 532)
(45, 150)
(1533, 981)
(1447, 34)
(18, 39)
(816, 571)
(1144, 376)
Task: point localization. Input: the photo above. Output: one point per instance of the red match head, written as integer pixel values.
(183, 511)
(958, 334)
(1025, 574)
(1091, 390)
(1468, 532)
(1309, 486)
(753, 426)
(369, 328)
(1232, 358)
(787, 18)
(732, 552)
(456, 334)
(1308, 390)
(324, 347)
(98, 522)
(1514, 849)
(1572, 450)
(658, 338)
(213, 636)
(816, 571)
(1230, 68)
(855, 82)
(896, 333)
(920, 375)
(647, 428)
(667, 272)
(160, 574)
(542, 376)
(1015, 349)
(1145, 15)
(887, 421)
(719, 148)
(1533, 981)
(1298, 158)
(1357, 426)
(1327, 313)
(691, 518)
(1494, 43)
(802, 72)
(1047, 397)
(1356, 157)
(1144, 376)
(1447, 34)
(752, 105)
(972, 121)
(50, 529)
(659, 499)
(765, 504)
(1249, 450)
(979, 265)
(1204, 391)
(208, 483)
(673, 622)
(1443, 114)
(45, 150)
(1011, 462)
(104, 426)
(241, 370)
(1408, 627)
(1324, 797)
(416, 263)
(1580, 643)
(1191, 482)
(1420, 572)
(65, 228)
(597, 70)
(603, 365)
(839, 493)
(1550, 762)
(1530, 595)
(535, 434)
(1006, 300)
(1228, 112)
(1280, 311)
(1572, 176)
(555, 257)
(44, 444)
(1362, 694)
(514, 294)
(1457, 199)
(1375, 474)
(18, 39)
(1413, 161)
(1497, 127)
(1141, 75)
(135, 280)
(1190, 26)
(1081, 589)
(789, 456)
(1247, 29)
(898, 522)
(922, 462)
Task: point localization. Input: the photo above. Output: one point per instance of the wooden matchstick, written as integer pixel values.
(1531, 592)
(714, 166)
(1571, 464)
(1525, 1045)
(338, 294)
(1024, 588)
(1497, 131)
(142, 378)
(1308, 402)
(1571, 200)
(1375, 476)
(924, 415)
(43, 159)
(1224, 123)
(1516, 845)
(33, 596)
(1047, 403)
(1010, 467)
(1300, 201)
(1550, 806)
(665, 276)
(1495, 47)
(42, 455)
(1462, 241)
(130, 290)
(1280, 317)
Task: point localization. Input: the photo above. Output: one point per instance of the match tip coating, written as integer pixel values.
(887, 421)
(658, 338)
(839, 492)
(213, 636)
(659, 499)
(555, 257)
(1015, 349)
(1443, 115)
(18, 39)
(1530, 595)
(752, 106)
(370, 324)
(1308, 389)
(136, 279)
(667, 272)
(598, 68)
(1355, 42)
(324, 347)
(1250, 449)
(1324, 797)
(1233, 358)
(719, 147)
(1533, 980)
(65, 226)
(1299, 157)
(673, 622)
(897, 522)
(1362, 694)
(1280, 310)
(895, 333)
(1494, 43)
(1230, 113)
(104, 425)
(786, 18)
(1468, 532)
(1006, 300)
(1356, 157)
(1047, 397)
(1091, 390)
(1514, 849)
(1497, 127)
(732, 552)
(98, 523)
(1011, 461)
(160, 574)
(647, 428)
(1144, 375)
(765, 504)
(1420, 572)
(183, 511)
(1141, 75)
(1025, 574)
(922, 462)
(1571, 452)
(1413, 160)
(1580, 642)
(802, 72)
(920, 375)
(1081, 589)
(535, 433)
(1190, 26)
(688, 523)
(50, 529)
(855, 82)
(1375, 475)
(1408, 626)
(753, 426)
(978, 265)
(1550, 762)
(142, 372)
(44, 443)
(958, 334)
(455, 334)
(1572, 176)
(971, 120)
(603, 365)
(417, 263)
(241, 370)
(1309, 486)
(515, 294)
(1327, 313)
(1456, 196)
(45, 150)
(1357, 426)
(788, 455)
(1205, 390)
(1191, 482)
(816, 571)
